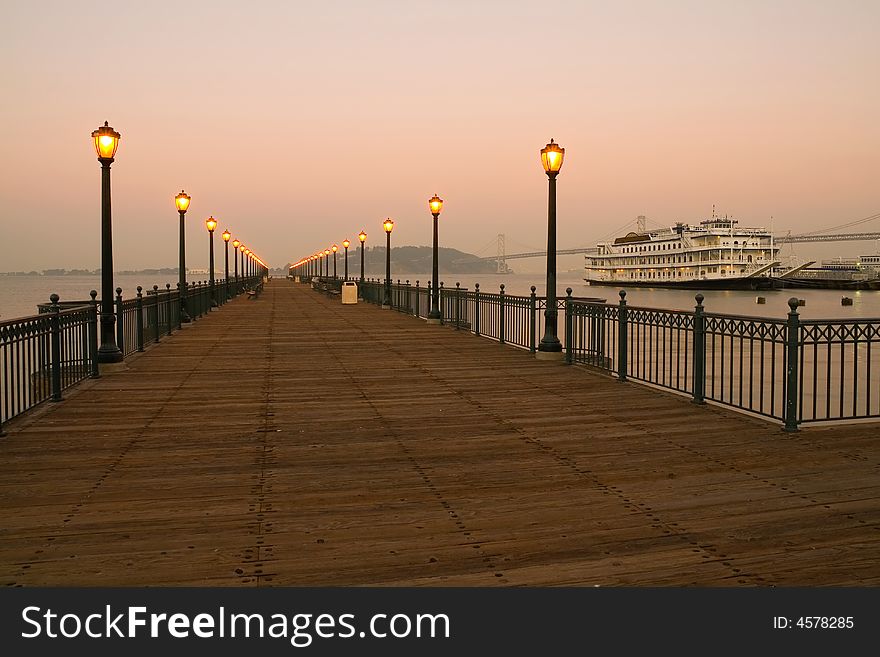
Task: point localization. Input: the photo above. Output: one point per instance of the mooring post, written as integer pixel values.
(792, 388)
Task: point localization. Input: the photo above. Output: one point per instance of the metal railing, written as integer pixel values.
(790, 369)
(786, 369)
(43, 355)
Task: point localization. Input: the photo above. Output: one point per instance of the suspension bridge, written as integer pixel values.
(826, 235)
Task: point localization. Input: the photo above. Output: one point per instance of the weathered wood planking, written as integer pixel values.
(295, 441)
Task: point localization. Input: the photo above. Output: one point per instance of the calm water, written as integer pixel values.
(20, 294)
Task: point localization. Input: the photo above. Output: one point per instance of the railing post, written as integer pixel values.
(476, 308)
(568, 326)
(622, 318)
(440, 296)
(168, 305)
(93, 335)
(55, 327)
(140, 318)
(457, 306)
(417, 299)
(156, 310)
(792, 389)
(533, 317)
(179, 314)
(699, 355)
(120, 324)
(501, 315)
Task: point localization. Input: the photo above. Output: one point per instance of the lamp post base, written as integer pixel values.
(111, 368)
(433, 320)
(557, 356)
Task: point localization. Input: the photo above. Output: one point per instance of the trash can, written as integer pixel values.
(349, 292)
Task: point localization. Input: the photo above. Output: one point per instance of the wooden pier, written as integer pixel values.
(291, 440)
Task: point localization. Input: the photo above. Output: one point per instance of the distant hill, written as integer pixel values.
(412, 260)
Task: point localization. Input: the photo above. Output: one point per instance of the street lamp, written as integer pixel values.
(550, 347)
(226, 236)
(388, 225)
(241, 249)
(327, 263)
(435, 203)
(345, 245)
(235, 244)
(334, 248)
(362, 236)
(211, 224)
(182, 202)
(106, 143)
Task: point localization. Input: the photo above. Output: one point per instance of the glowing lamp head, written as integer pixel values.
(226, 235)
(436, 204)
(182, 201)
(551, 157)
(388, 225)
(106, 141)
(241, 247)
(334, 248)
(362, 236)
(326, 252)
(345, 244)
(236, 244)
(210, 224)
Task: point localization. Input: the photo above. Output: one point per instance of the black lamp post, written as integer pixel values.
(345, 245)
(211, 224)
(106, 143)
(327, 263)
(235, 245)
(182, 201)
(436, 204)
(334, 248)
(550, 347)
(388, 225)
(226, 236)
(363, 238)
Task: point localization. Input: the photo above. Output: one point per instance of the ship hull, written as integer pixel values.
(710, 284)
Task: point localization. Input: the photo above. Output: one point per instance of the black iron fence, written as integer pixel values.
(43, 355)
(790, 369)
(787, 369)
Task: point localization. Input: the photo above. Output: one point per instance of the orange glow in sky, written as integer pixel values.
(299, 123)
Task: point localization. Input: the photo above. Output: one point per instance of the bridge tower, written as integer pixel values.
(501, 258)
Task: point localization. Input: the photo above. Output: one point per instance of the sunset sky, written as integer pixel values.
(297, 124)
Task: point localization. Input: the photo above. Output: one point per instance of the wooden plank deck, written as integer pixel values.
(295, 441)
